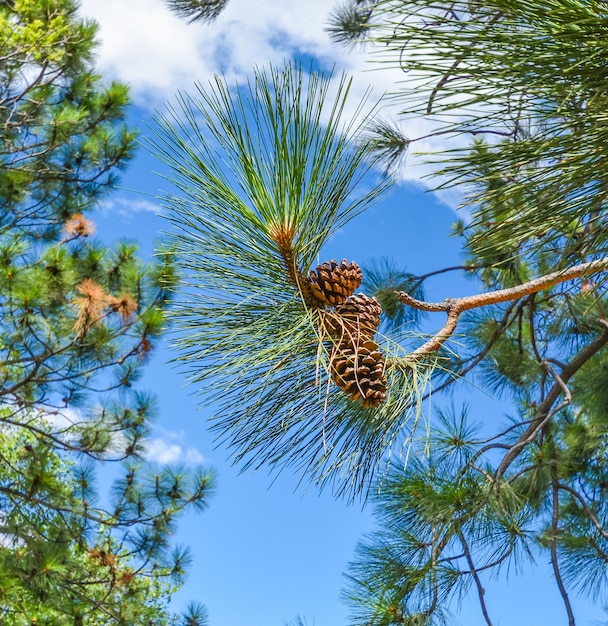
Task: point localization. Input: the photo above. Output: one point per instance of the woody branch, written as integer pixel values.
(455, 306)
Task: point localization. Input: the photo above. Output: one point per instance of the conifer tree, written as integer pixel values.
(77, 322)
(321, 389)
(527, 83)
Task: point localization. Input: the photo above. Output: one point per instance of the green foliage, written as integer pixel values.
(447, 520)
(197, 10)
(267, 173)
(77, 322)
(526, 82)
(443, 523)
(535, 91)
(349, 22)
(63, 131)
(384, 280)
(66, 560)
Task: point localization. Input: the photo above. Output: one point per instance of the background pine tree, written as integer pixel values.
(77, 322)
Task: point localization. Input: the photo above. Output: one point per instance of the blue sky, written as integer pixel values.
(269, 548)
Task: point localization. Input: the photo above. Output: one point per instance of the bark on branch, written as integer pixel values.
(455, 306)
(545, 410)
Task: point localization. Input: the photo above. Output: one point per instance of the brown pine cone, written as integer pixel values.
(331, 284)
(360, 372)
(357, 318)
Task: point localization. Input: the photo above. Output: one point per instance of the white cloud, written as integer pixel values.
(158, 54)
(166, 450)
(62, 420)
(193, 456)
(127, 207)
(144, 44)
(160, 451)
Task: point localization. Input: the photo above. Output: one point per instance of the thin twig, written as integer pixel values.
(475, 360)
(480, 590)
(554, 530)
(545, 409)
(469, 268)
(590, 514)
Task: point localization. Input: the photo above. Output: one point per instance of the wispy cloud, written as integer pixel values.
(157, 54)
(144, 44)
(166, 449)
(128, 207)
(61, 420)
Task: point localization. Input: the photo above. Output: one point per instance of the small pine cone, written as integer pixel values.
(357, 318)
(331, 284)
(360, 373)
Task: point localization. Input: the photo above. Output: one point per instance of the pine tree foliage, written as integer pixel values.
(442, 526)
(534, 92)
(526, 81)
(66, 560)
(197, 10)
(266, 173)
(384, 279)
(63, 132)
(77, 322)
(349, 22)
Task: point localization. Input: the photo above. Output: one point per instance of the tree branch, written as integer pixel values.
(455, 306)
(480, 590)
(588, 511)
(554, 531)
(544, 410)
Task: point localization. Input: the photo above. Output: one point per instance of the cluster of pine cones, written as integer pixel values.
(356, 363)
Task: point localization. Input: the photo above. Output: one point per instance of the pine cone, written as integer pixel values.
(331, 284)
(356, 319)
(359, 371)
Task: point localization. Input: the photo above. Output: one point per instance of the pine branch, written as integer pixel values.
(455, 306)
(545, 409)
(197, 10)
(553, 542)
(452, 70)
(474, 572)
(475, 360)
(590, 514)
